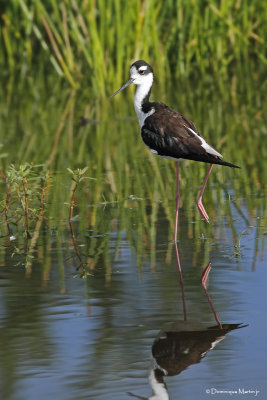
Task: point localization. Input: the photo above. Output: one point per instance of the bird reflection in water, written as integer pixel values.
(183, 343)
(180, 345)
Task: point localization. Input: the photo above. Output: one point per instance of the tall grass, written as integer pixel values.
(59, 60)
(93, 42)
(45, 129)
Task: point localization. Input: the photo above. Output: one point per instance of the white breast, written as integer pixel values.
(142, 116)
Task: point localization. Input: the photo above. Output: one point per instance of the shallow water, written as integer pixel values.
(82, 305)
(87, 333)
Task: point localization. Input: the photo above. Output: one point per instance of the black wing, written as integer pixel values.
(169, 134)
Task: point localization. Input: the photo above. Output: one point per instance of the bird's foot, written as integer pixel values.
(202, 209)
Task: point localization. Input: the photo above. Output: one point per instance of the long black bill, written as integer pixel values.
(123, 87)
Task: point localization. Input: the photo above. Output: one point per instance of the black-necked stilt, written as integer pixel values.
(169, 134)
(178, 346)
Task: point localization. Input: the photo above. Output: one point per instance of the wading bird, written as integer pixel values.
(169, 134)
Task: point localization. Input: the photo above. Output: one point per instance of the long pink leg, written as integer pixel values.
(177, 201)
(199, 199)
(181, 279)
(175, 238)
(203, 283)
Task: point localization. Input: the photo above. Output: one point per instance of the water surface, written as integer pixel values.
(83, 304)
(86, 332)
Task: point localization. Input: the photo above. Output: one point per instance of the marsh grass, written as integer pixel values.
(110, 146)
(94, 41)
(60, 60)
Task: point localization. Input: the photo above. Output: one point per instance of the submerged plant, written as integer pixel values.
(26, 192)
(78, 176)
(5, 202)
(237, 246)
(26, 188)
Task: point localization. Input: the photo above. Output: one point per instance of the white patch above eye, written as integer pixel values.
(142, 69)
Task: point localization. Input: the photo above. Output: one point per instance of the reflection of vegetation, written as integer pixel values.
(91, 244)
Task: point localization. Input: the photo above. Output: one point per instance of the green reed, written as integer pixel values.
(93, 42)
(60, 60)
(46, 129)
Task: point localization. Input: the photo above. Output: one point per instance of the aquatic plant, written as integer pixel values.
(78, 176)
(26, 189)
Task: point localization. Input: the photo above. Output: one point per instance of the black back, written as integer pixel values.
(169, 133)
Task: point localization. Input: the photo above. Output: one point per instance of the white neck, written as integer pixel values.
(141, 92)
(159, 389)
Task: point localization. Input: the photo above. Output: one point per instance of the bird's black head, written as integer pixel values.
(141, 73)
(142, 67)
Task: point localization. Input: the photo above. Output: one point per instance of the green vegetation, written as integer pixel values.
(93, 42)
(25, 193)
(77, 176)
(59, 61)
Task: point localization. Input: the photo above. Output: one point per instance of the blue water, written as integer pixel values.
(66, 337)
